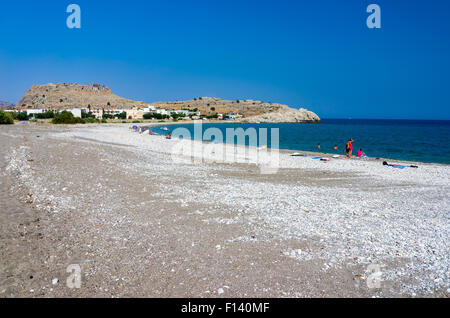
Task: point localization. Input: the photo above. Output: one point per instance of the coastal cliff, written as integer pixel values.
(64, 96)
(253, 110)
(286, 115)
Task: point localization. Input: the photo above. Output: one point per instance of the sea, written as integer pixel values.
(411, 140)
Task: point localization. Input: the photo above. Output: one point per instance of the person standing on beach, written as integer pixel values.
(318, 146)
(349, 148)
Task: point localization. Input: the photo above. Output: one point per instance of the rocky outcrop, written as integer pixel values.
(6, 105)
(285, 115)
(253, 110)
(63, 96)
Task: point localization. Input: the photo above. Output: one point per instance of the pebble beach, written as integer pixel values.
(142, 220)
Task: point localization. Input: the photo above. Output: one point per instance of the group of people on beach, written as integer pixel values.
(349, 149)
(348, 145)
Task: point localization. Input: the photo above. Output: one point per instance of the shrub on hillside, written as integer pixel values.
(6, 118)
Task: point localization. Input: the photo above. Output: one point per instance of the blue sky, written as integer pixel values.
(315, 54)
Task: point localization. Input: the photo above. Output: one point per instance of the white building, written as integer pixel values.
(114, 111)
(234, 116)
(135, 113)
(34, 111)
(76, 112)
(163, 112)
(184, 112)
(148, 110)
(187, 113)
(98, 113)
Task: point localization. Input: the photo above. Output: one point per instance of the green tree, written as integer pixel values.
(66, 117)
(87, 115)
(22, 116)
(160, 116)
(214, 116)
(175, 116)
(6, 118)
(108, 116)
(47, 114)
(122, 115)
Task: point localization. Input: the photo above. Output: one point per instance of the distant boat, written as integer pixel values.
(165, 128)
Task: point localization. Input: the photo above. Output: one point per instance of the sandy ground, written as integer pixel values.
(141, 224)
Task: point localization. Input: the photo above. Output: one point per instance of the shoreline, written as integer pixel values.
(308, 153)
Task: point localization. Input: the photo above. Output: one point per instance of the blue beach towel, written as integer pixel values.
(399, 166)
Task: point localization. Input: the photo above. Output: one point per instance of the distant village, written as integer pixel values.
(134, 113)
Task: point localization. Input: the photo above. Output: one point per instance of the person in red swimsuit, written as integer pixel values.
(349, 148)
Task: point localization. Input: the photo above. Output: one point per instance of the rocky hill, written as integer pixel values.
(63, 96)
(4, 105)
(254, 111)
